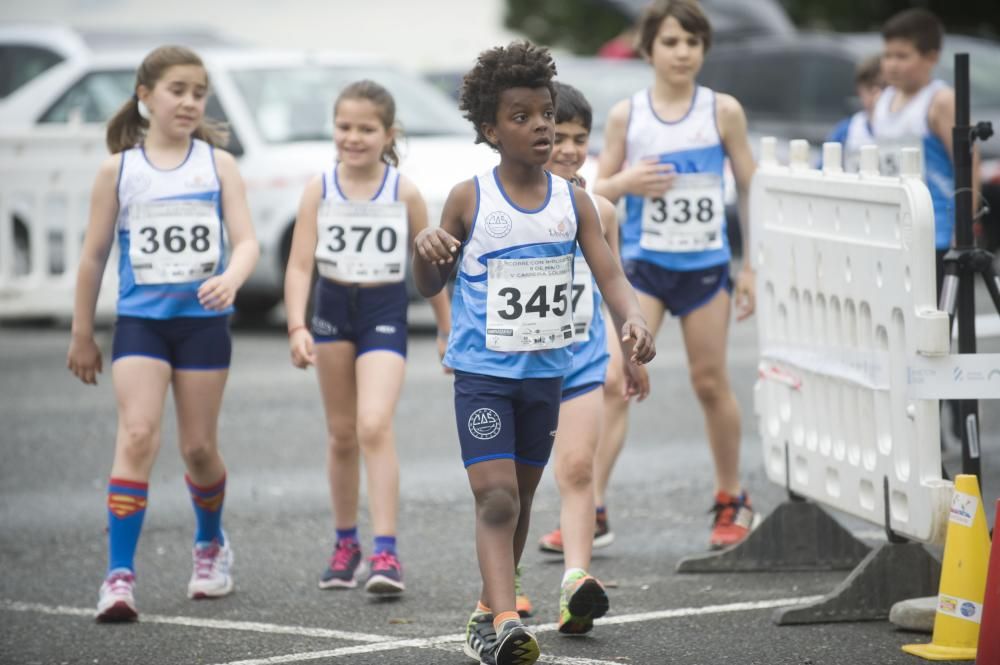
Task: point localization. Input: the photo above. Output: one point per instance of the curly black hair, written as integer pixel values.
(517, 65)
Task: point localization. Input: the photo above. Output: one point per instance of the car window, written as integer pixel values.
(296, 103)
(20, 64)
(604, 84)
(98, 96)
(984, 63)
(827, 88)
(766, 84)
(92, 99)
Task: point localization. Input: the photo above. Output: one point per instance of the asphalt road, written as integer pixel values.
(56, 439)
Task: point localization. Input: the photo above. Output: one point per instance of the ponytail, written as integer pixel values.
(127, 127)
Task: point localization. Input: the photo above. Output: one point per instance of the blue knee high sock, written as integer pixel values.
(126, 510)
(207, 502)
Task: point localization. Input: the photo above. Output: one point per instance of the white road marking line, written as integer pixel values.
(250, 626)
(376, 643)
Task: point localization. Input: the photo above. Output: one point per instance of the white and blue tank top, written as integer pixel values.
(170, 232)
(362, 241)
(908, 128)
(853, 133)
(685, 229)
(590, 342)
(511, 308)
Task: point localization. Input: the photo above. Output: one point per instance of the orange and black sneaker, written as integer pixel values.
(734, 517)
(521, 601)
(552, 542)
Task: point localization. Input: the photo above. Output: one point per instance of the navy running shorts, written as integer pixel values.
(372, 318)
(583, 389)
(500, 418)
(188, 343)
(680, 291)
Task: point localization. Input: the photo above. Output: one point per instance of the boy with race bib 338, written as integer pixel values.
(174, 202)
(665, 150)
(355, 224)
(512, 233)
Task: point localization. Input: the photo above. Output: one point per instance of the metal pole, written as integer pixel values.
(964, 244)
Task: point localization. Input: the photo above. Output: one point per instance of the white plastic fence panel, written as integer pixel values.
(846, 299)
(46, 175)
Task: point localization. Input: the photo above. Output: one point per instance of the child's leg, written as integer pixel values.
(379, 381)
(612, 436)
(335, 370)
(198, 400)
(528, 477)
(576, 440)
(705, 335)
(140, 385)
(494, 485)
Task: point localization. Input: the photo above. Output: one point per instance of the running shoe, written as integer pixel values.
(515, 644)
(734, 518)
(345, 567)
(480, 637)
(211, 577)
(117, 599)
(603, 535)
(521, 601)
(581, 600)
(386, 576)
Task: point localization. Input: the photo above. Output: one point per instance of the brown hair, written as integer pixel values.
(918, 26)
(869, 71)
(687, 12)
(127, 127)
(384, 104)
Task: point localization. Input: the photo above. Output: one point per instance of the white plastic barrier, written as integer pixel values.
(846, 304)
(46, 176)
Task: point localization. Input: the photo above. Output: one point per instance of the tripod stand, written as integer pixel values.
(964, 260)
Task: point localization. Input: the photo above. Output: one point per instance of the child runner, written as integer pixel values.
(355, 223)
(664, 152)
(856, 131)
(171, 198)
(517, 227)
(918, 111)
(580, 415)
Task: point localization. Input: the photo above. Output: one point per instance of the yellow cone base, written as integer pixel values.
(936, 652)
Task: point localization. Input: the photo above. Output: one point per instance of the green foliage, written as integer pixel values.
(975, 17)
(580, 26)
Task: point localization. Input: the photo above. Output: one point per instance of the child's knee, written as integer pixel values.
(498, 506)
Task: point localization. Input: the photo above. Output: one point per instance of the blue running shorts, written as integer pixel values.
(372, 318)
(188, 343)
(500, 418)
(681, 292)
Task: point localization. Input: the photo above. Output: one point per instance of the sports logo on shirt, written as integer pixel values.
(498, 224)
(484, 423)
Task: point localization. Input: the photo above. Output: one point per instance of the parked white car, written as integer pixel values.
(279, 108)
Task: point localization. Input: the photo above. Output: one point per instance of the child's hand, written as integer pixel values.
(636, 382)
(635, 332)
(217, 292)
(648, 178)
(300, 342)
(745, 297)
(436, 246)
(84, 359)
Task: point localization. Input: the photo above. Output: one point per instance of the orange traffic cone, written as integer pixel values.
(989, 631)
(963, 578)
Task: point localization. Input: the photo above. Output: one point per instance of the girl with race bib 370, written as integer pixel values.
(175, 202)
(355, 224)
(665, 149)
(517, 227)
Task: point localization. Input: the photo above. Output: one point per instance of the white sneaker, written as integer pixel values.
(211, 578)
(117, 602)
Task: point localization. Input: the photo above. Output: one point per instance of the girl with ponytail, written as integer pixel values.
(186, 245)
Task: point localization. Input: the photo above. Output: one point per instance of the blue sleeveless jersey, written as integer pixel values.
(692, 145)
(140, 182)
(501, 229)
(590, 357)
(908, 127)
